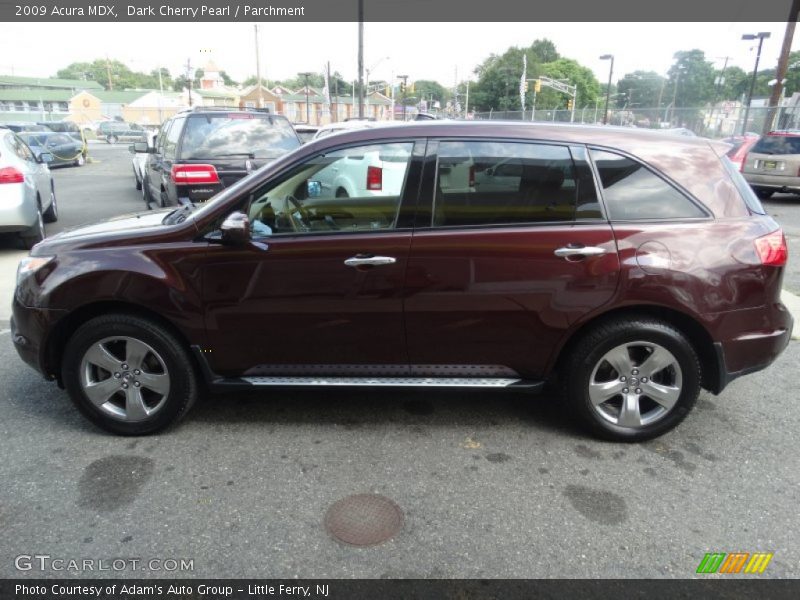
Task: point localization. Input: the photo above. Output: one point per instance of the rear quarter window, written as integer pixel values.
(633, 192)
(745, 191)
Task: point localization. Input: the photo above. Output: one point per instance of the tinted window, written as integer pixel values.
(355, 189)
(496, 183)
(237, 134)
(631, 191)
(171, 139)
(777, 144)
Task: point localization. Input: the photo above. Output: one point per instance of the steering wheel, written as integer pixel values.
(300, 218)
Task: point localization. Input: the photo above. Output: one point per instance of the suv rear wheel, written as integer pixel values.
(632, 380)
(128, 375)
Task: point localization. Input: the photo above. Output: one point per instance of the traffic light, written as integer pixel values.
(570, 103)
(537, 86)
(402, 87)
(525, 86)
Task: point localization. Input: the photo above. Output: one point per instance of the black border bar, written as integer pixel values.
(403, 589)
(487, 11)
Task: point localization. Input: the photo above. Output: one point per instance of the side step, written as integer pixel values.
(410, 382)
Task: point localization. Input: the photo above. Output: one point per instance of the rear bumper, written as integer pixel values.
(752, 350)
(778, 183)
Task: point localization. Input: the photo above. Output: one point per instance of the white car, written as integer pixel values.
(27, 194)
(376, 173)
(140, 159)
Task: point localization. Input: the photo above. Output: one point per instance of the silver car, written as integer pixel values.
(773, 164)
(27, 194)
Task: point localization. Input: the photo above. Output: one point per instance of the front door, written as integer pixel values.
(318, 290)
(499, 272)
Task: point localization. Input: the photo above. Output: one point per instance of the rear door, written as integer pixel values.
(496, 276)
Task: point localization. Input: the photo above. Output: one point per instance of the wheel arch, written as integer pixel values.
(53, 351)
(694, 331)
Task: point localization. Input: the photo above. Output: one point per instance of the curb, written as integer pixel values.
(792, 303)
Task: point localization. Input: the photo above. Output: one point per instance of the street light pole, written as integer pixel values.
(760, 36)
(360, 59)
(608, 89)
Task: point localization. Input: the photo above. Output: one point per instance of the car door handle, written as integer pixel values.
(583, 251)
(374, 261)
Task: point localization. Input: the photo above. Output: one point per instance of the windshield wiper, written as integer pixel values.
(178, 215)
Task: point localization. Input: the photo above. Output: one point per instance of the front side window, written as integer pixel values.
(633, 192)
(503, 183)
(355, 189)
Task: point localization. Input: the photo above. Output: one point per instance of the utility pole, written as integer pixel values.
(258, 70)
(360, 59)
(308, 107)
(189, 78)
(783, 65)
(108, 71)
(160, 96)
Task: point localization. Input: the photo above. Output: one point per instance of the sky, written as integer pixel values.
(435, 51)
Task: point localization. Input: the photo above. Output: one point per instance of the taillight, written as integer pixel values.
(472, 176)
(771, 249)
(11, 175)
(186, 174)
(374, 178)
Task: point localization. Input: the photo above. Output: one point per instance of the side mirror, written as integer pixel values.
(138, 147)
(45, 157)
(313, 189)
(236, 229)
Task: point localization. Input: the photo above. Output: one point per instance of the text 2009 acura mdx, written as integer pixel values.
(637, 267)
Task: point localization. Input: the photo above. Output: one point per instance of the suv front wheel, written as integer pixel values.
(128, 375)
(632, 379)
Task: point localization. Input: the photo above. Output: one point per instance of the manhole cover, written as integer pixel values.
(364, 519)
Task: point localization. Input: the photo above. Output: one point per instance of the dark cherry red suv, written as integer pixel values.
(630, 267)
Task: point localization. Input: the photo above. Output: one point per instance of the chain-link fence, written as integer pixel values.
(723, 120)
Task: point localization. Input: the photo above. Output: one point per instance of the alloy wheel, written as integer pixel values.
(635, 384)
(125, 378)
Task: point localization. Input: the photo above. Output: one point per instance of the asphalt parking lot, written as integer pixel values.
(489, 484)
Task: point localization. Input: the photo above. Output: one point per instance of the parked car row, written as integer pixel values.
(627, 268)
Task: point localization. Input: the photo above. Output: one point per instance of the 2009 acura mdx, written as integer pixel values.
(630, 267)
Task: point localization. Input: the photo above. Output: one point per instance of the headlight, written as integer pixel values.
(31, 264)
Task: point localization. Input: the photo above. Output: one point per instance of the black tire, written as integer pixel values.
(342, 193)
(51, 214)
(183, 386)
(112, 139)
(764, 194)
(36, 233)
(146, 193)
(587, 355)
(136, 178)
(80, 161)
(163, 199)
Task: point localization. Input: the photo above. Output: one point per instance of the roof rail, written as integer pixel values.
(224, 109)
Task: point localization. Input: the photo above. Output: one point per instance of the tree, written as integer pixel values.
(694, 86)
(641, 89)
(426, 89)
(574, 74)
(226, 79)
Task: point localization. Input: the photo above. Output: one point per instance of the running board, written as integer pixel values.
(253, 383)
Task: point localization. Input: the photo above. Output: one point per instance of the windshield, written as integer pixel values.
(777, 144)
(258, 136)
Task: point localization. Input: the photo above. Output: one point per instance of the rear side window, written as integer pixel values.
(503, 183)
(237, 134)
(746, 192)
(633, 192)
(171, 139)
(777, 144)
